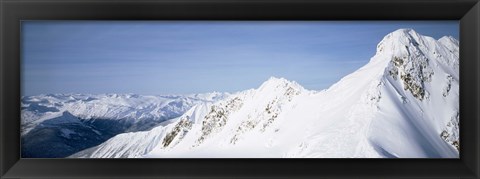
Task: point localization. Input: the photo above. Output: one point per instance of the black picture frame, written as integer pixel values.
(14, 11)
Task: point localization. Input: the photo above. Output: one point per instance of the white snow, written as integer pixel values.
(403, 103)
(136, 144)
(130, 107)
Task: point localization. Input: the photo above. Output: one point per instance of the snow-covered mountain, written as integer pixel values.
(61, 124)
(403, 103)
(130, 108)
(134, 144)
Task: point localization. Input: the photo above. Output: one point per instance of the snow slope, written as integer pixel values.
(402, 103)
(135, 144)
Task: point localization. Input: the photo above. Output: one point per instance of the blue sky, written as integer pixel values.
(181, 57)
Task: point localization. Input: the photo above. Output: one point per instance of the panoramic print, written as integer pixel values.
(240, 89)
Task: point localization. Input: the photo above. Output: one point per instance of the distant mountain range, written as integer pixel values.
(60, 125)
(403, 103)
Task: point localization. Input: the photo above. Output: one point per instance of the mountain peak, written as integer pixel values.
(405, 42)
(401, 42)
(404, 31)
(448, 40)
(402, 36)
(276, 79)
(275, 82)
